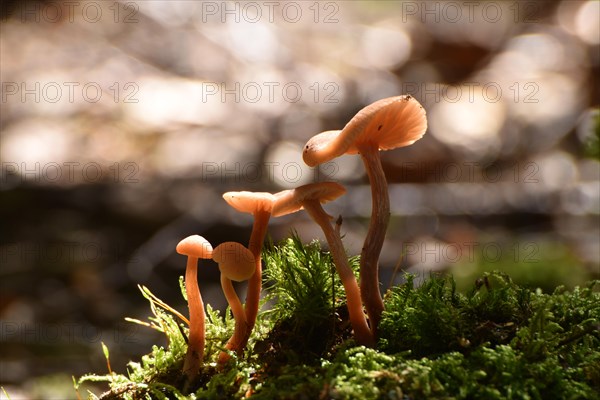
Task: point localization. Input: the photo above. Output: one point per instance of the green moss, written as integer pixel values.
(308, 315)
(302, 283)
(435, 318)
(497, 340)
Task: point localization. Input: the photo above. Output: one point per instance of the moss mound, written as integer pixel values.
(496, 341)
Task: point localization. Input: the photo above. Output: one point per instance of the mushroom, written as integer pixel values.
(310, 198)
(384, 125)
(194, 247)
(236, 263)
(259, 205)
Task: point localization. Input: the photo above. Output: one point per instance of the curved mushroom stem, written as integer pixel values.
(380, 217)
(235, 342)
(195, 350)
(259, 231)
(362, 333)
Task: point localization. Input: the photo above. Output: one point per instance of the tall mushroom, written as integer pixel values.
(236, 263)
(384, 125)
(194, 247)
(310, 198)
(259, 205)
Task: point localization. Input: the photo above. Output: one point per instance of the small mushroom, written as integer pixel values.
(236, 263)
(259, 205)
(194, 247)
(384, 125)
(310, 198)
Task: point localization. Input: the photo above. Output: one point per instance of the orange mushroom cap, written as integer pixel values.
(195, 246)
(388, 123)
(290, 201)
(250, 202)
(235, 261)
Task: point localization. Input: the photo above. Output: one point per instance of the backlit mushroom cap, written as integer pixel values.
(317, 146)
(235, 261)
(290, 201)
(195, 246)
(388, 123)
(250, 202)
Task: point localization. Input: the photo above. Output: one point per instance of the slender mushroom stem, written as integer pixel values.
(195, 351)
(239, 332)
(259, 231)
(362, 332)
(380, 216)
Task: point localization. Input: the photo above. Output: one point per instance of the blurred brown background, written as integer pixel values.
(122, 123)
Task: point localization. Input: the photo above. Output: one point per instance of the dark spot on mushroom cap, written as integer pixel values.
(379, 127)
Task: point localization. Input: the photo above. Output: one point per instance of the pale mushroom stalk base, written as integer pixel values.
(380, 216)
(195, 350)
(236, 342)
(362, 333)
(259, 231)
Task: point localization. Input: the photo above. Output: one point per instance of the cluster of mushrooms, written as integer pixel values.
(384, 125)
